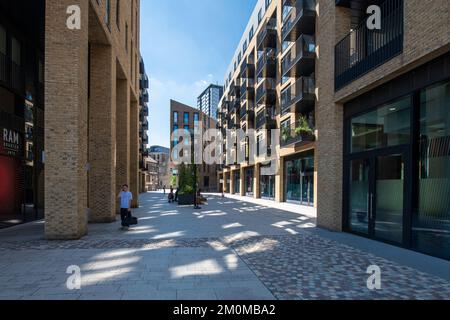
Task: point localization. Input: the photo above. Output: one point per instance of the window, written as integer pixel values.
(431, 215)
(16, 51)
(186, 118)
(251, 34)
(2, 40)
(260, 15)
(245, 46)
(126, 37)
(118, 14)
(268, 3)
(299, 179)
(239, 57)
(108, 12)
(175, 117)
(386, 126)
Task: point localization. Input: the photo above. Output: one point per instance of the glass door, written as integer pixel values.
(376, 196)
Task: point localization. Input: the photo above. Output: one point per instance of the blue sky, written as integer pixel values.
(187, 44)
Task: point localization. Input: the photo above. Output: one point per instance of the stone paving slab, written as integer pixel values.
(228, 250)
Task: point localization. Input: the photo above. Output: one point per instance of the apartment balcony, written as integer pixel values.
(248, 68)
(266, 119)
(294, 135)
(300, 19)
(249, 114)
(144, 112)
(143, 82)
(145, 124)
(266, 67)
(248, 89)
(363, 50)
(143, 98)
(235, 88)
(299, 97)
(267, 37)
(11, 74)
(266, 92)
(300, 59)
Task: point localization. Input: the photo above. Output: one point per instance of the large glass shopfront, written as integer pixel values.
(299, 179)
(267, 185)
(398, 171)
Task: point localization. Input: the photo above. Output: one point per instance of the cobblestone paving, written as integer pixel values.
(223, 252)
(309, 267)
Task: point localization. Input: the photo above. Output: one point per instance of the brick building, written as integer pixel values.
(184, 117)
(377, 102)
(90, 87)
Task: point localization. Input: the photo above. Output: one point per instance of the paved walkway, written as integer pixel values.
(228, 250)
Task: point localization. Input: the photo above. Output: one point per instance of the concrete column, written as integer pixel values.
(66, 103)
(256, 182)
(123, 133)
(134, 153)
(279, 182)
(332, 24)
(102, 134)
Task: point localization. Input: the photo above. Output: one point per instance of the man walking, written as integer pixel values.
(125, 197)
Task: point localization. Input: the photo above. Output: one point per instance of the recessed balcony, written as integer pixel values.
(266, 67)
(248, 89)
(300, 18)
(363, 50)
(296, 134)
(235, 88)
(266, 92)
(267, 37)
(299, 97)
(266, 119)
(300, 59)
(248, 67)
(249, 114)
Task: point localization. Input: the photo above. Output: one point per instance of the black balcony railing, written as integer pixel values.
(266, 93)
(301, 94)
(363, 50)
(300, 60)
(267, 37)
(266, 67)
(248, 67)
(11, 74)
(143, 83)
(243, 111)
(293, 134)
(247, 88)
(300, 20)
(265, 119)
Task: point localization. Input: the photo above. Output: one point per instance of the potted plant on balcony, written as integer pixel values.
(303, 129)
(285, 134)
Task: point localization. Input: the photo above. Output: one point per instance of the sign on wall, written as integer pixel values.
(10, 142)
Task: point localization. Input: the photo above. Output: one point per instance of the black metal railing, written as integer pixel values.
(243, 111)
(268, 56)
(294, 134)
(247, 66)
(298, 11)
(265, 88)
(304, 86)
(265, 117)
(363, 50)
(304, 47)
(247, 84)
(270, 27)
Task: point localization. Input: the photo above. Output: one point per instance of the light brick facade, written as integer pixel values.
(92, 114)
